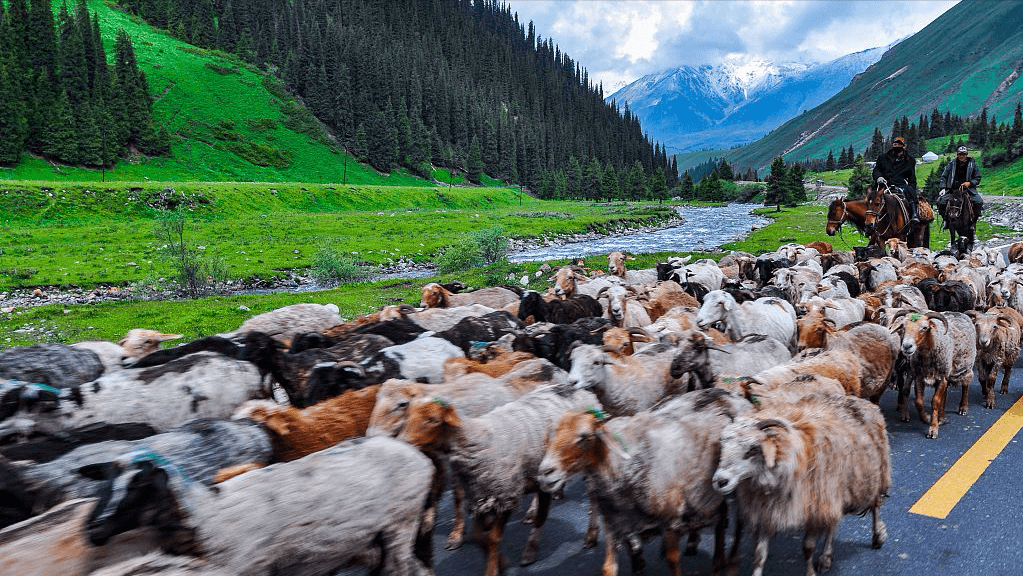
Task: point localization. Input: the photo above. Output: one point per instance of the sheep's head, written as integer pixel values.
(580, 443)
(430, 423)
(814, 329)
(434, 296)
(137, 343)
(564, 283)
(588, 366)
(692, 354)
(390, 412)
(917, 329)
(616, 263)
(395, 312)
(749, 448)
(716, 306)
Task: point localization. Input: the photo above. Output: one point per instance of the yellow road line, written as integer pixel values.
(939, 501)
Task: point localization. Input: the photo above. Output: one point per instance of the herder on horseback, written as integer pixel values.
(960, 174)
(897, 169)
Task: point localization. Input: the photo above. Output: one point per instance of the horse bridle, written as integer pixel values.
(879, 218)
(845, 215)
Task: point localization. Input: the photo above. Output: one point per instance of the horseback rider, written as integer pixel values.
(961, 173)
(897, 166)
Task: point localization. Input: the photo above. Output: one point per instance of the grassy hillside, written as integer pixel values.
(968, 58)
(228, 122)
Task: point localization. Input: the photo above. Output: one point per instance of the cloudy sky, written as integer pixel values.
(619, 41)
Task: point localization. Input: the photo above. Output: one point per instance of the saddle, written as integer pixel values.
(924, 213)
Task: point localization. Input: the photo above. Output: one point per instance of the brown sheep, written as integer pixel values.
(497, 362)
(1016, 253)
(620, 340)
(616, 263)
(822, 247)
(436, 296)
(297, 433)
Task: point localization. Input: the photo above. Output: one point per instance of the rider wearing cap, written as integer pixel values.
(898, 168)
(961, 173)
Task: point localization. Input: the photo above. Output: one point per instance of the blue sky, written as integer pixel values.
(619, 41)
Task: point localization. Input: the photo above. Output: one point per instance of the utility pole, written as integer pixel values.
(344, 181)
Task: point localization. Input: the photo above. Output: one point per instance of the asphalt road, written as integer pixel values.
(981, 536)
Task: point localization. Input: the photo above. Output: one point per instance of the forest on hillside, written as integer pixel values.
(452, 83)
(61, 99)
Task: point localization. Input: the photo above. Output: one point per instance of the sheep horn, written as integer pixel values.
(638, 331)
(770, 423)
(349, 364)
(601, 292)
(939, 317)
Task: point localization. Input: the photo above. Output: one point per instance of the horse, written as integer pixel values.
(961, 222)
(841, 211)
(886, 217)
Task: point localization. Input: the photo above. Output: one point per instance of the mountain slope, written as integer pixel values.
(734, 103)
(969, 57)
(224, 117)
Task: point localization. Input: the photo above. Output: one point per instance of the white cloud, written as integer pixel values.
(619, 41)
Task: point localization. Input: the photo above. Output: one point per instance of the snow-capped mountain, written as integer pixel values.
(735, 102)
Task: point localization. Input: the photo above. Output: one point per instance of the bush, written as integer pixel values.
(196, 274)
(483, 247)
(332, 267)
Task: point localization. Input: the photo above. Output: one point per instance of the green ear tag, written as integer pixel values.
(914, 317)
(441, 402)
(599, 414)
(754, 401)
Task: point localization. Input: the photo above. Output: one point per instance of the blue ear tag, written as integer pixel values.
(599, 414)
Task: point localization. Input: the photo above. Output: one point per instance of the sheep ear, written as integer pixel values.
(278, 424)
(613, 443)
(166, 337)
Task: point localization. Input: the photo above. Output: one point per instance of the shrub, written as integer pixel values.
(482, 247)
(332, 267)
(196, 274)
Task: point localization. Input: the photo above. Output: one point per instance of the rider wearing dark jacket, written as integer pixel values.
(897, 168)
(961, 173)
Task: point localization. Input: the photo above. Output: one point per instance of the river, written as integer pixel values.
(704, 230)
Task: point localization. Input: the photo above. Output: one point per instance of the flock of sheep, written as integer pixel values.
(684, 396)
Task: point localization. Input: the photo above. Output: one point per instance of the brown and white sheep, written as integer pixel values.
(998, 346)
(436, 296)
(804, 466)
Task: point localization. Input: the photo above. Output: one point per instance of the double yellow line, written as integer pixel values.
(939, 501)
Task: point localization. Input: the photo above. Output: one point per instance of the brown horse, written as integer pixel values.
(886, 217)
(841, 211)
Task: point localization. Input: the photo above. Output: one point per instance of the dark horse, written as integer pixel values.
(886, 217)
(961, 222)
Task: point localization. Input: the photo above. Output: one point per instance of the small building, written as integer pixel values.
(929, 157)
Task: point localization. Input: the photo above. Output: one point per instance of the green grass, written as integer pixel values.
(83, 235)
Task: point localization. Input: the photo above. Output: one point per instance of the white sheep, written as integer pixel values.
(307, 517)
(771, 317)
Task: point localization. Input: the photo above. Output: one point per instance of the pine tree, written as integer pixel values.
(360, 148)
(829, 165)
(777, 190)
(1017, 124)
(610, 183)
(860, 179)
(13, 125)
(725, 171)
(474, 164)
(62, 135)
(593, 177)
(876, 145)
(659, 185)
(686, 187)
(794, 180)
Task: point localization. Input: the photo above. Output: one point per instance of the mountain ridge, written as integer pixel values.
(736, 102)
